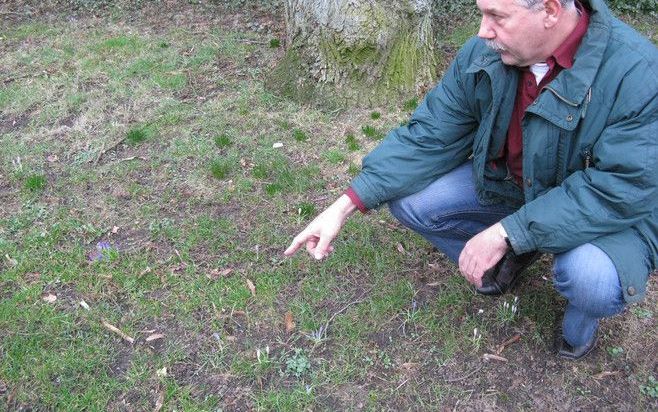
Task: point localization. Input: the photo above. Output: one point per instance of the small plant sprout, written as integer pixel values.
(317, 336)
(306, 210)
(275, 43)
(651, 388)
(298, 363)
(508, 312)
(18, 165)
(476, 339)
(263, 357)
(375, 115)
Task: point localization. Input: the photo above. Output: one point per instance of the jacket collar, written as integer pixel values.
(574, 84)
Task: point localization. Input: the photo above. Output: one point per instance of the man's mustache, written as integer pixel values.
(495, 46)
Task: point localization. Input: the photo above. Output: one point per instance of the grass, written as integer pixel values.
(178, 230)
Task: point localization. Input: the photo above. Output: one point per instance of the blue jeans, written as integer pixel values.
(447, 214)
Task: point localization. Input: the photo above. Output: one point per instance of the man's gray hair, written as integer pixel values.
(532, 3)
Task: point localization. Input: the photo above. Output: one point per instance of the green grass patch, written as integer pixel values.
(299, 135)
(410, 105)
(222, 141)
(35, 182)
(375, 115)
(334, 156)
(372, 132)
(352, 143)
(220, 168)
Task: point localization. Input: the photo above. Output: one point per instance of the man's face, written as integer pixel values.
(514, 31)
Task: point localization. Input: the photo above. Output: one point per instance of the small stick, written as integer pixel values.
(126, 159)
(402, 384)
(489, 356)
(508, 342)
(116, 330)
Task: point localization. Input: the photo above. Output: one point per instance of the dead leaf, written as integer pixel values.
(252, 287)
(217, 273)
(410, 365)
(49, 298)
(52, 158)
(290, 323)
(145, 271)
(605, 374)
(159, 402)
(115, 230)
(84, 305)
(155, 336)
(434, 284)
(400, 248)
(161, 372)
(243, 162)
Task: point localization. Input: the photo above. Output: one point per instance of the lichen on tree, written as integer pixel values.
(362, 51)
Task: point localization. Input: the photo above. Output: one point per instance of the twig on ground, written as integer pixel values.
(489, 356)
(468, 375)
(402, 384)
(508, 342)
(116, 330)
(126, 159)
(361, 299)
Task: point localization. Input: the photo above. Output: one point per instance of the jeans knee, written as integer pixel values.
(588, 279)
(410, 214)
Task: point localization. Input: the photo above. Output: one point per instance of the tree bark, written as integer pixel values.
(356, 49)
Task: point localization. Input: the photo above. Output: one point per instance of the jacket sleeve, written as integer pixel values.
(438, 138)
(615, 194)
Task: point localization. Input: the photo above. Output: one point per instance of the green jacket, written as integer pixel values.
(590, 148)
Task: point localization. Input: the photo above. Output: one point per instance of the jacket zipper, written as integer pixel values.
(569, 102)
(588, 157)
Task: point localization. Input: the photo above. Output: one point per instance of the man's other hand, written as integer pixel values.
(482, 252)
(319, 234)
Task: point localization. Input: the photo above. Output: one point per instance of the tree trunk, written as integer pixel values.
(365, 51)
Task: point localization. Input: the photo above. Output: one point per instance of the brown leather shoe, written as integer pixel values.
(502, 277)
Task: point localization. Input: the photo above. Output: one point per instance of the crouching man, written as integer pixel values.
(540, 138)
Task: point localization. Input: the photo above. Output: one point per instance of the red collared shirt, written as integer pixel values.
(528, 90)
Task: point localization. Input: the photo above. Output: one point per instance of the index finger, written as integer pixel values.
(297, 242)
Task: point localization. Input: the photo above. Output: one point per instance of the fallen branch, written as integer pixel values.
(116, 330)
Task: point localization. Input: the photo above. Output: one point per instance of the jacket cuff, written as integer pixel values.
(518, 237)
(356, 200)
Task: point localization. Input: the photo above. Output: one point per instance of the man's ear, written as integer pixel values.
(553, 10)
